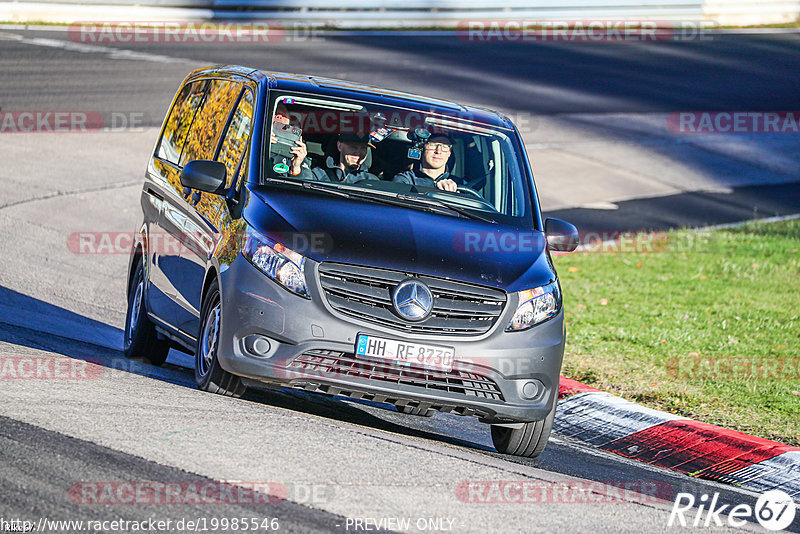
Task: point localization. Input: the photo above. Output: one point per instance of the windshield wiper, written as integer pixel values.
(395, 199)
(318, 186)
(386, 197)
(389, 197)
(445, 205)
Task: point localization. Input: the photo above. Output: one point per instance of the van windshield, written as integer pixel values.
(384, 154)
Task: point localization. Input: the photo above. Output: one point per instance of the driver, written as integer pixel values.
(431, 170)
(351, 166)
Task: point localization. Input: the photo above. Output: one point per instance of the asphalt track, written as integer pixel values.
(718, 72)
(335, 460)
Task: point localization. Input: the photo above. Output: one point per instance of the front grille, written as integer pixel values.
(366, 293)
(338, 364)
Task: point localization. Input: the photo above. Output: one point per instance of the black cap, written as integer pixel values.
(353, 137)
(435, 135)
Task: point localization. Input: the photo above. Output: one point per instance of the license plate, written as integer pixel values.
(404, 353)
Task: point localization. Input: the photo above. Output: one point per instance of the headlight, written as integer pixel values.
(535, 306)
(277, 261)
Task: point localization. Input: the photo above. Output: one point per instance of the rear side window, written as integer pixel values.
(210, 120)
(179, 121)
(237, 137)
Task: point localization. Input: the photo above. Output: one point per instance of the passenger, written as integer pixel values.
(431, 171)
(296, 167)
(351, 167)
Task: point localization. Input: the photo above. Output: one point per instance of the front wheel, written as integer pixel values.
(141, 339)
(528, 441)
(208, 373)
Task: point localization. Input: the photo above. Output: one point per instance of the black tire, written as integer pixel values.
(528, 441)
(208, 373)
(141, 340)
(416, 410)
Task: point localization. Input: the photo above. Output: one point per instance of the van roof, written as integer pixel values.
(364, 92)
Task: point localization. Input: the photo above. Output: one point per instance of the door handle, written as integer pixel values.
(152, 192)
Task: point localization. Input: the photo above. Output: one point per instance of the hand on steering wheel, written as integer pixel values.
(447, 185)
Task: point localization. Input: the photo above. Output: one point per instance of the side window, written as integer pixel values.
(210, 120)
(179, 120)
(237, 137)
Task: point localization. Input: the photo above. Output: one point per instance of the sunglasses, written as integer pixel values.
(444, 147)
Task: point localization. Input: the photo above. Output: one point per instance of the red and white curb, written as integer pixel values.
(598, 419)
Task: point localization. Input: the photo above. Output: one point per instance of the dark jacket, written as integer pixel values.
(415, 176)
(332, 173)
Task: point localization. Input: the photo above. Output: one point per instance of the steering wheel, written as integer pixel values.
(471, 192)
(477, 196)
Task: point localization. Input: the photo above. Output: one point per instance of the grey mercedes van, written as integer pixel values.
(353, 241)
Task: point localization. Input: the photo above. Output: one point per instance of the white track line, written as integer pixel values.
(111, 53)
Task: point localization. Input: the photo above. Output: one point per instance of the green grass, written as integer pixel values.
(703, 325)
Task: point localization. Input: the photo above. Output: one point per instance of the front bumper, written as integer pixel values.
(487, 381)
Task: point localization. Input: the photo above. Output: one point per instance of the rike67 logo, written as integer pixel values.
(774, 510)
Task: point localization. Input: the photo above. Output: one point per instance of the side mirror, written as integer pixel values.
(561, 235)
(205, 175)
